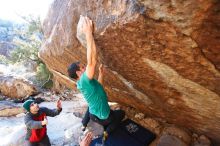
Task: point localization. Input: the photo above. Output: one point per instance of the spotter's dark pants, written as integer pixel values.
(44, 142)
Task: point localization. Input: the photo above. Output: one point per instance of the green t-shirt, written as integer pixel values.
(95, 96)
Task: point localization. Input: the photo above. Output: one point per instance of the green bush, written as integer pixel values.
(28, 43)
(43, 75)
(3, 59)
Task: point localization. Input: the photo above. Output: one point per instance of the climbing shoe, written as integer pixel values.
(83, 128)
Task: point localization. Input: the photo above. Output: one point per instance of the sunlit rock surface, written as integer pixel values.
(162, 57)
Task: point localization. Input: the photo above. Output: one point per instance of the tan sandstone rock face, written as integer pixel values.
(15, 87)
(8, 109)
(162, 57)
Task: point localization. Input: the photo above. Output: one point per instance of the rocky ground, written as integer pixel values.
(65, 128)
(167, 134)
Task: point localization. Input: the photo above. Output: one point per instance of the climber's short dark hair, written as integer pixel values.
(72, 70)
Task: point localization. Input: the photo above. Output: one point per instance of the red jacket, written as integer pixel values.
(35, 131)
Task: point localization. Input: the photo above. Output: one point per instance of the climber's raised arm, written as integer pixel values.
(91, 47)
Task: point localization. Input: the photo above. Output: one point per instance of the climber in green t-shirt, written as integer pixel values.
(92, 89)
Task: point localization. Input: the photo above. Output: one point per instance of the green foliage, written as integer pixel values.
(43, 74)
(24, 52)
(48, 84)
(28, 41)
(3, 59)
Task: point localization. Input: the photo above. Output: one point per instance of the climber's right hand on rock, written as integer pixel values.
(44, 122)
(87, 27)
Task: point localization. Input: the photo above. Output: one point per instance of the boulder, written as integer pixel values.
(8, 109)
(16, 87)
(202, 141)
(180, 133)
(169, 140)
(162, 57)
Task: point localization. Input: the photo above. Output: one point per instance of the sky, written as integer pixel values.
(11, 9)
